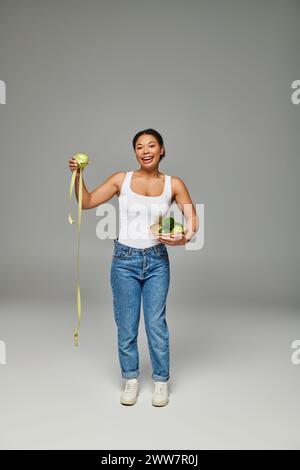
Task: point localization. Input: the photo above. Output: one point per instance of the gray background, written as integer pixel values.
(214, 77)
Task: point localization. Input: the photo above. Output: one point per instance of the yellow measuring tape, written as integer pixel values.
(82, 160)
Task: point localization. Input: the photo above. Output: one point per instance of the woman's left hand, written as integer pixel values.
(173, 240)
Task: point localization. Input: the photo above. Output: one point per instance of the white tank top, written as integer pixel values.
(138, 212)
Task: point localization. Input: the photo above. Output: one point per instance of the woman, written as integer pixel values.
(140, 264)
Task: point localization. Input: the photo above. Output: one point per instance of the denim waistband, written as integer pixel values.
(131, 249)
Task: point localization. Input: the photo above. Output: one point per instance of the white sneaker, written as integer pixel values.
(130, 393)
(160, 394)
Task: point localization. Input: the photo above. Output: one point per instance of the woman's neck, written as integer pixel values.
(149, 174)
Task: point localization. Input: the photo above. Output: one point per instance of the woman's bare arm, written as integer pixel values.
(106, 191)
(100, 194)
(186, 205)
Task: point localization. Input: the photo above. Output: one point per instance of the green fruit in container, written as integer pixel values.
(165, 229)
(167, 224)
(178, 228)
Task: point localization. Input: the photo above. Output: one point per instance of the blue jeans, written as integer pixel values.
(137, 272)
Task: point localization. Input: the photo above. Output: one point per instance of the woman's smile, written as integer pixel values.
(147, 159)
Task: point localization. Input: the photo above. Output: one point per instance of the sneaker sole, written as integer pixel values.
(127, 404)
(124, 402)
(160, 404)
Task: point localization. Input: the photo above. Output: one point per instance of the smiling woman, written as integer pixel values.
(148, 146)
(140, 268)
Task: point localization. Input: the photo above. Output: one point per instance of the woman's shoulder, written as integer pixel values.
(120, 173)
(177, 182)
(177, 186)
(118, 178)
(176, 179)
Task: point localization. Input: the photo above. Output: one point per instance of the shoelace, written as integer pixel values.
(130, 385)
(159, 388)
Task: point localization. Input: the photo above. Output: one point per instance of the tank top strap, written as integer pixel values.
(125, 188)
(168, 191)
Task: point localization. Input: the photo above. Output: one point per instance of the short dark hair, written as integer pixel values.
(155, 134)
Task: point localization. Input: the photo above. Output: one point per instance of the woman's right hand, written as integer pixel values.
(73, 165)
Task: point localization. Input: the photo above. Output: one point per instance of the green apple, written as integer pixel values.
(178, 228)
(167, 224)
